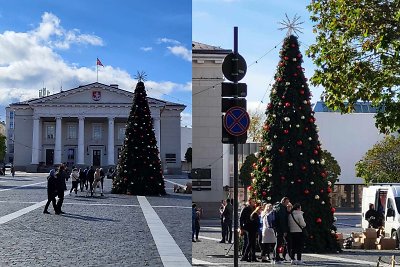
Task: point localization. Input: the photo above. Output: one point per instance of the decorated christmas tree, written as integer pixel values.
(139, 166)
(289, 163)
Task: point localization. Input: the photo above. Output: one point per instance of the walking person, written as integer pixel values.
(74, 178)
(61, 177)
(244, 222)
(227, 220)
(193, 221)
(296, 225)
(197, 224)
(252, 228)
(221, 214)
(288, 239)
(268, 234)
(281, 228)
(12, 171)
(90, 179)
(96, 181)
(102, 175)
(51, 191)
(82, 179)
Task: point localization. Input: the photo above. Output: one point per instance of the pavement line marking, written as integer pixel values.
(335, 258)
(173, 182)
(170, 253)
(197, 262)
(15, 187)
(23, 211)
(179, 207)
(210, 238)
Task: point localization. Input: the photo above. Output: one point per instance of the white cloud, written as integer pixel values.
(51, 32)
(181, 51)
(186, 119)
(146, 49)
(168, 41)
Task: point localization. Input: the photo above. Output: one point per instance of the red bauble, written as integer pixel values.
(333, 210)
(302, 92)
(283, 178)
(286, 131)
(295, 74)
(264, 193)
(250, 188)
(329, 190)
(281, 151)
(299, 55)
(318, 220)
(266, 127)
(279, 79)
(299, 180)
(323, 174)
(254, 165)
(293, 45)
(321, 191)
(269, 106)
(303, 168)
(265, 169)
(306, 128)
(306, 191)
(286, 58)
(287, 104)
(281, 64)
(299, 142)
(315, 152)
(283, 97)
(311, 120)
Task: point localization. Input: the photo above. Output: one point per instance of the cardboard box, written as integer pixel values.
(386, 244)
(357, 239)
(355, 235)
(357, 245)
(369, 233)
(369, 243)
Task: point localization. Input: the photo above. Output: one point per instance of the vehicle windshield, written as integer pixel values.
(397, 200)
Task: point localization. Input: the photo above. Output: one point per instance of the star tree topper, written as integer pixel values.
(292, 26)
(141, 76)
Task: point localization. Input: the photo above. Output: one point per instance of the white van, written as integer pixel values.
(386, 199)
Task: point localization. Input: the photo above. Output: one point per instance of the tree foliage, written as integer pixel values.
(254, 133)
(333, 169)
(2, 147)
(357, 54)
(381, 164)
(246, 169)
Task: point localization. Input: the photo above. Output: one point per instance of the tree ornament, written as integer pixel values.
(329, 190)
(333, 210)
(311, 182)
(302, 117)
(312, 161)
(287, 104)
(299, 142)
(318, 220)
(323, 202)
(290, 164)
(264, 193)
(286, 119)
(309, 138)
(322, 161)
(269, 147)
(297, 125)
(316, 197)
(286, 131)
(283, 178)
(315, 152)
(306, 192)
(329, 183)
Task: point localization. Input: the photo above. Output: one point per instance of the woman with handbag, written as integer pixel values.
(296, 226)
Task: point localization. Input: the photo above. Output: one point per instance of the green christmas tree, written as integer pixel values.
(139, 167)
(289, 163)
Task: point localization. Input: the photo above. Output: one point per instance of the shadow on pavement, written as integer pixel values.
(87, 218)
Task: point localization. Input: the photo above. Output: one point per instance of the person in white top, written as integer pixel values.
(268, 234)
(75, 178)
(296, 225)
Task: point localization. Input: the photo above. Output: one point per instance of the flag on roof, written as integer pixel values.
(99, 62)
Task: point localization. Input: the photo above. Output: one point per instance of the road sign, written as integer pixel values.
(234, 89)
(229, 69)
(236, 121)
(227, 103)
(230, 139)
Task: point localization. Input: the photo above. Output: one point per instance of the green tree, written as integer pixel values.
(254, 133)
(289, 162)
(188, 155)
(2, 147)
(357, 54)
(139, 166)
(381, 164)
(333, 169)
(245, 175)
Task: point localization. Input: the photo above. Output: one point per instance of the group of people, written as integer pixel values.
(3, 170)
(85, 178)
(278, 229)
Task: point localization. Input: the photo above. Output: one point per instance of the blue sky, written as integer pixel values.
(258, 25)
(54, 43)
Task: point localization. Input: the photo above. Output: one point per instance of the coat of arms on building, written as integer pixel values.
(96, 95)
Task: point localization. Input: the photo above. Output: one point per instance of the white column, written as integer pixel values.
(57, 149)
(35, 140)
(110, 145)
(157, 131)
(81, 141)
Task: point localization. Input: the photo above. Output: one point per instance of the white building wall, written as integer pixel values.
(347, 137)
(186, 141)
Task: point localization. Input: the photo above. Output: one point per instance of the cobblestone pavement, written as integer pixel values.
(99, 231)
(209, 252)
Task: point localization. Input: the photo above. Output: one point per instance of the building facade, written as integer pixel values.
(85, 126)
(210, 171)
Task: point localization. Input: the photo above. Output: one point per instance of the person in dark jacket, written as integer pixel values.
(244, 222)
(227, 216)
(61, 177)
(252, 228)
(90, 178)
(281, 227)
(51, 191)
(82, 179)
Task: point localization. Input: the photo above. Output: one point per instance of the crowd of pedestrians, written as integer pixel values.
(277, 228)
(88, 178)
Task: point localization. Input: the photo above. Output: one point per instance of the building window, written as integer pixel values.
(71, 154)
(12, 117)
(170, 158)
(50, 131)
(71, 131)
(121, 133)
(97, 129)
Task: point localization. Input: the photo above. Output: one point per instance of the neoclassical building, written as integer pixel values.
(85, 126)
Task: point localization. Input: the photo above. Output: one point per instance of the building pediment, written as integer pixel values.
(95, 93)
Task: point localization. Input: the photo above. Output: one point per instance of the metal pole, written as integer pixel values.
(235, 168)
